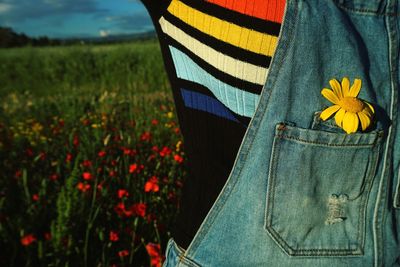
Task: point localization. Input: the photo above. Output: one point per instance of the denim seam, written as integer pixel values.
(324, 144)
(365, 12)
(283, 46)
(396, 200)
(380, 205)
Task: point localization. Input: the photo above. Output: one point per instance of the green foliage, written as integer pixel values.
(92, 160)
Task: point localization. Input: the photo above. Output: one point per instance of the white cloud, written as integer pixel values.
(104, 33)
(4, 8)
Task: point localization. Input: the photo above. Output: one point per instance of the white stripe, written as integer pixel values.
(234, 67)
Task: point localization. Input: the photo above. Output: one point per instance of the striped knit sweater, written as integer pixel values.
(217, 54)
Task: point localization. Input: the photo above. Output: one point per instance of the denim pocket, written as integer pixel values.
(318, 186)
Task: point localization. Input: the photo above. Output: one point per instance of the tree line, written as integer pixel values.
(9, 38)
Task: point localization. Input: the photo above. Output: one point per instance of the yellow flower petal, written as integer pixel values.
(350, 122)
(330, 95)
(370, 106)
(336, 88)
(329, 112)
(364, 119)
(355, 88)
(339, 117)
(345, 86)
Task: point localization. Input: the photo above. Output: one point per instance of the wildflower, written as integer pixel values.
(132, 168)
(42, 155)
(178, 146)
(83, 187)
(87, 176)
(54, 177)
(165, 151)
(155, 148)
(152, 185)
(154, 121)
(154, 252)
(87, 163)
(170, 115)
(28, 239)
(101, 153)
(123, 253)
(68, 158)
(350, 110)
(47, 236)
(61, 122)
(76, 141)
(178, 158)
(112, 173)
(127, 151)
(122, 193)
(122, 211)
(18, 174)
(146, 136)
(114, 236)
(35, 197)
(37, 127)
(177, 130)
(139, 209)
(29, 152)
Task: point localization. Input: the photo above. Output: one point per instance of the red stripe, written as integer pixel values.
(271, 10)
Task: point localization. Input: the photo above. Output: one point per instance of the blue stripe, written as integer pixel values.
(206, 103)
(240, 102)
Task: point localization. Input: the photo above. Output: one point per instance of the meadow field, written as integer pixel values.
(91, 156)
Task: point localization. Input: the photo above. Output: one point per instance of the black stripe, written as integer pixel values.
(226, 48)
(238, 18)
(220, 75)
(195, 87)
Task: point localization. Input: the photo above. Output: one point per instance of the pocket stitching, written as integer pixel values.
(362, 207)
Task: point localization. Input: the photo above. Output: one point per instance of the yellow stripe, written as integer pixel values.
(239, 69)
(242, 37)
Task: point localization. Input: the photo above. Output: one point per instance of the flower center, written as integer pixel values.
(351, 104)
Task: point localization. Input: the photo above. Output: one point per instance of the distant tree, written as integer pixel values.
(9, 38)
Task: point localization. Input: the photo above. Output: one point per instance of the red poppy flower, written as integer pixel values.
(28, 239)
(76, 140)
(123, 253)
(29, 152)
(152, 185)
(87, 163)
(35, 197)
(83, 187)
(122, 211)
(146, 136)
(139, 209)
(154, 121)
(154, 252)
(122, 193)
(42, 155)
(18, 174)
(165, 151)
(178, 158)
(54, 177)
(155, 148)
(101, 153)
(87, 176)
(47, 236)
(114, 236)
(68, 158)
(132, 168)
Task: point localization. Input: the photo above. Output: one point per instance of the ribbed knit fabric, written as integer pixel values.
(217, 54)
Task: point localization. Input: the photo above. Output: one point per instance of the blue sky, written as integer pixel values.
(74, 18)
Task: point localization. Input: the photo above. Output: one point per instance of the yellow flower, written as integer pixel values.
(350, 110)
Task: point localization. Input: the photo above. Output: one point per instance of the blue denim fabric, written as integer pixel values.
(302, 192)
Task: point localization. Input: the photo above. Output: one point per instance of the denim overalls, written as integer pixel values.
(302, 192)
